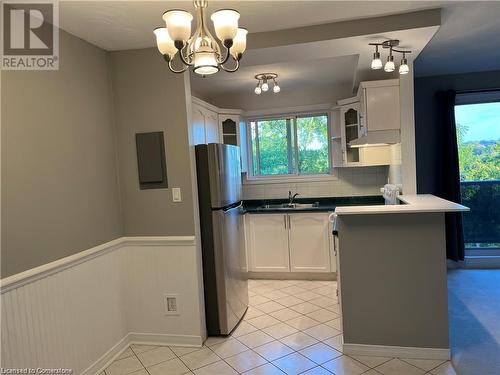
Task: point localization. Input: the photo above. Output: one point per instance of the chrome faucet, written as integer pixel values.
(291, 197)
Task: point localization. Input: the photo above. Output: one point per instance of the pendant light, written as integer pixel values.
(389, 66)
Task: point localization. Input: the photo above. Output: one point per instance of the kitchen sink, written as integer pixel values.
(288, 206)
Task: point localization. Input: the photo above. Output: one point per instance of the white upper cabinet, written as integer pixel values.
(380, 105)
(309, 242)
(267, 239)
(205, 123)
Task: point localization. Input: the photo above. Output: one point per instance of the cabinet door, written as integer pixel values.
(211, 127)
(349, 117)
(382, 108)
(309, 242)
(198, 124)
(268, 243)
(229, 129)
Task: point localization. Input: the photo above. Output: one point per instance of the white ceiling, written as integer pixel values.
(118, 25)
(468, 40)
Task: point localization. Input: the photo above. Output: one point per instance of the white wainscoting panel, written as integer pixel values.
(81, 311)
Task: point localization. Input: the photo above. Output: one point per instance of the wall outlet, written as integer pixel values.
(171, 304)
(176, 195)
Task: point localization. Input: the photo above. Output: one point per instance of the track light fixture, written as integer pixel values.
(389, 66)
(263, 80)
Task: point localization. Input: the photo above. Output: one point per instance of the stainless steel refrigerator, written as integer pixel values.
(222, 238)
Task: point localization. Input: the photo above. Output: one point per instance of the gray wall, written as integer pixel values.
(59, 181)
(426, 123)
(393, 280)
(148, 97)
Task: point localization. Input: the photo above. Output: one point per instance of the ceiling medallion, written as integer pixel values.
(263, 80)
(201, 51)
(389, 65)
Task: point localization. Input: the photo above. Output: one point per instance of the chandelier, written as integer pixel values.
(389, 65)
(263, 85)
(201, 50)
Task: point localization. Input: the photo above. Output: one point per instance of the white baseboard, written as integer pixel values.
(142, 339)
(396, 351)
(164, 339)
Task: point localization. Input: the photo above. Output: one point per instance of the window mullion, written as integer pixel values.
(257, 149)
(289, 145)
(296, 146)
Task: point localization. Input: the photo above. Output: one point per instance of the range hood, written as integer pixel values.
(377, 138)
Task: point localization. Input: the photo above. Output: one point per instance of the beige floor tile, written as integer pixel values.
(126, 353)
(302, 323)
(142, 348)
(371, 372)
(140, 372)
(263, 321)
(257, 300)
(444, 369)
(243, 329)
(307, 295)
(228, 348)
(200, 358)
(298, 341)
(252, 312)
(213, 340)
(334, 308)
(424, 364)
(322, 332)
(323, 301)
(217, 368)
(273, 350)
(318, 370)
(320, 353)
(263, 290)
(335, 342)
(293, 290)
(285, 314)
(398, 367)
(269, 307)
(322, 315)
(345, 365)
(256, 338)
(245, 361)
(124, 366)
(267, 369)
(152, 357)
(294, 364)
(280, 330)
(171, 367)
(335, 323)
(305, 307)
(276, 294)
(310, 284)
(370, 361)
(289, 301)
(181, 350)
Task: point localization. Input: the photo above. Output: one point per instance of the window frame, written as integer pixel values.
(288, 176)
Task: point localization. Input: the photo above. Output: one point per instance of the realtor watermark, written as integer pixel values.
(36, 370)
(30, 35)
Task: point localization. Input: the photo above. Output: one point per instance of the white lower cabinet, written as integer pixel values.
(295, 242)
(268, 243)
(309, 242)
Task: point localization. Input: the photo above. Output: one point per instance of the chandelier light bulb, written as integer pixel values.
(389, 65)
(265, 86)
(276, 88)
(258, 90)
(164, 43)
(225, 23)
(205, 62)
(404, 68)
(178, 24)
(376, 62)
(239, 43)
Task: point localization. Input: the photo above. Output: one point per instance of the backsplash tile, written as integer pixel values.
(350, 182)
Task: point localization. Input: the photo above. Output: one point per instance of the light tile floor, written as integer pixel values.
(291, 327)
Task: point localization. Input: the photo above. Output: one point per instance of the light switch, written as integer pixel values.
(176, 195)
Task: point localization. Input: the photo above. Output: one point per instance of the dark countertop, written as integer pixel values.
(324, 204)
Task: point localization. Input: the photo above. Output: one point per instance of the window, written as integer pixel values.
(293, 145)
(477, 118)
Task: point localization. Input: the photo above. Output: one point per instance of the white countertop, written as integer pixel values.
(410, 204)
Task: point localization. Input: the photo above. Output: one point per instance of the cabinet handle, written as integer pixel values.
(289, 223)
(284, 220)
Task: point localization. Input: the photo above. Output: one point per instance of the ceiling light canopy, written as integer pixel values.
(201, 51)
(389, 66)
(263, 80)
